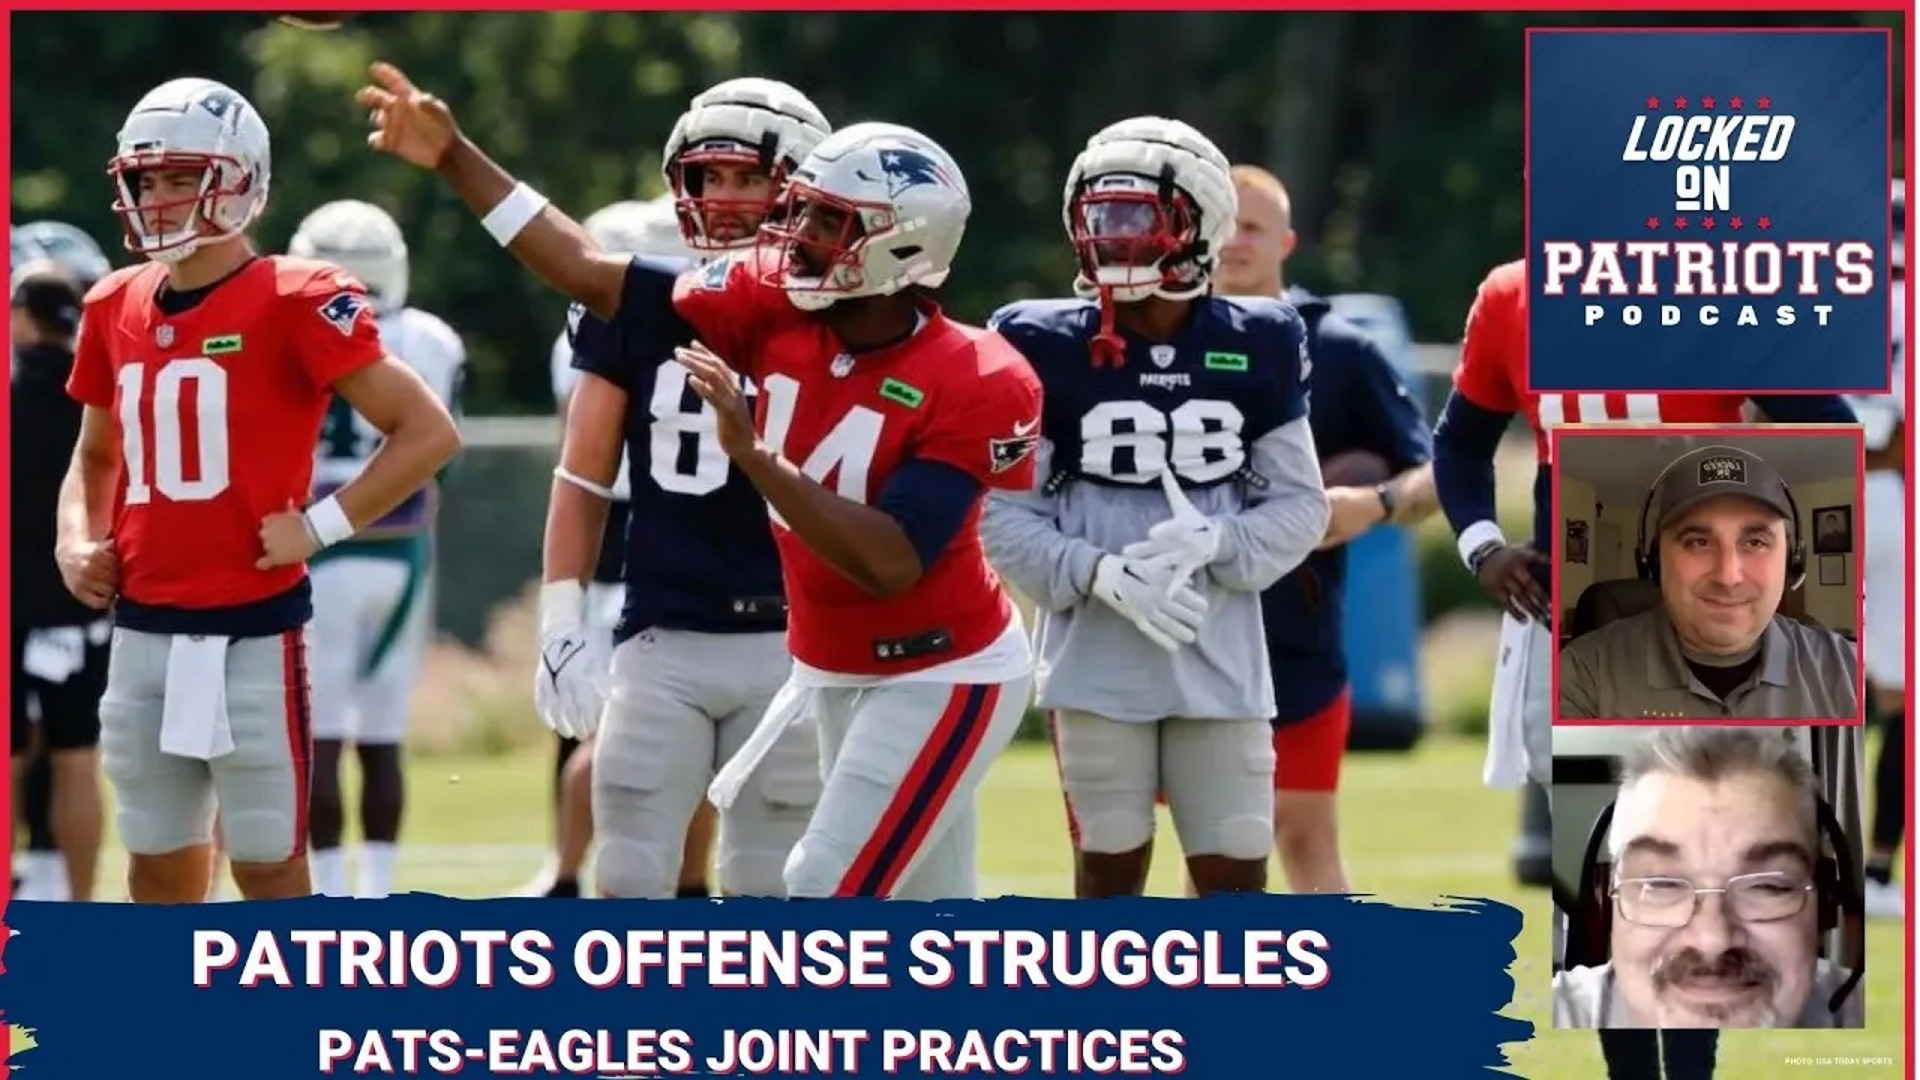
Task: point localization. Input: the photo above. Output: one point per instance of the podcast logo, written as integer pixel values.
(1708, 211)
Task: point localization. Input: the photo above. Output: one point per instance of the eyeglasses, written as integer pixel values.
(1670, 903)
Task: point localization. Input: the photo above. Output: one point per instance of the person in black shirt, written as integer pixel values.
(59, 645)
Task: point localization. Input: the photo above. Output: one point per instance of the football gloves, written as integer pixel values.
(1154, 595)
(570, 683)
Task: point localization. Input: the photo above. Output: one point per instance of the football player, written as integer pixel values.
(205, 373)
(880, 423)
(1374, 448)
(1489, 387)
(68, 716)
(1177, 480)
(701, 649)
(372, 603)
(627, 228)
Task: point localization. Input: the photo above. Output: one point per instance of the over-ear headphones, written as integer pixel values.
(1646, 554)
(1836, 894)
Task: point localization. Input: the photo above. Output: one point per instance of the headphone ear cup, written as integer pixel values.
(1592, 927)
(1648, 565)
(1796, 566)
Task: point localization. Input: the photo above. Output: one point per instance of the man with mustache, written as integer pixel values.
(1717, 542)
(1714, 895)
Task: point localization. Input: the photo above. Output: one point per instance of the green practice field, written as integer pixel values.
(1417, 826)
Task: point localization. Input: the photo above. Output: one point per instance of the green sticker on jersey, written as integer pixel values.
(225, 343)
(1226, 361)
(895, 390)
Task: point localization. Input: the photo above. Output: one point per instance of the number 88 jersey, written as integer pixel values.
(700, 552)
(1196, 404)
(217, 397)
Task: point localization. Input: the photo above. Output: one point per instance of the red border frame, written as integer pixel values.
(1526, 198)
(1733, 7)
(1735, 435)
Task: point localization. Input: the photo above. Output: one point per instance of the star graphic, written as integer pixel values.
(1679, 103)
(1766, 222)
(1735, 222)
(1653, 103)
(1765, 102)
(1736, 102)
(1680, 223)
(1653, 222)
(1706, 222)
(1707, 102)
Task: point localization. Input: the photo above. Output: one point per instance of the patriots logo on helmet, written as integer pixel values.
(218, 101)
(904, 168)
(343, 309)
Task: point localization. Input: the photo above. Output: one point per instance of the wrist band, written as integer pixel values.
(1474, 536)
(328, 522)
(513, 213)
(585, 484)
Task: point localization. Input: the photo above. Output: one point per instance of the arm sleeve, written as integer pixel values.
(1284, 521)
(91, 381)
(1806, 409)
(333, 328)
(1464, 443)
(1024, 542)
(930, 501)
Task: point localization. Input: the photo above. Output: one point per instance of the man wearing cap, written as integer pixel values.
(1724, 549)
(59, 645)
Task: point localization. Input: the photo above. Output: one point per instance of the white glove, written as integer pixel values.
(1154, 595)
(1191, 538)
(570, 682)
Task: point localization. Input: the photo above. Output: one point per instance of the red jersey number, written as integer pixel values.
(189, 408)
(846, 452)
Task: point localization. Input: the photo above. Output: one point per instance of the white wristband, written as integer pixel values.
(1475, 536)
(329, 522)
(513, 213)
(585, 484)
(563, 606)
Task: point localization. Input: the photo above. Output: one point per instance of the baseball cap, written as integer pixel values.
(1712, 471)
(49, 295)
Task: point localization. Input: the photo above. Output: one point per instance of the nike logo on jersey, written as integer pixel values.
(1021, 431)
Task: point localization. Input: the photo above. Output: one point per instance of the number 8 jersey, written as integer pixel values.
(1224, 406)
(217, 398)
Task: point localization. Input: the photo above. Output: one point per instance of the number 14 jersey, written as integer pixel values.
(216, 411)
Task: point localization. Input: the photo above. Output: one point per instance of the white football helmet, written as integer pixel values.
(192, 124)
(631, 227)
(363, 240)
(1149, 204)
(66, 245)
(874, 209)
(753, 122)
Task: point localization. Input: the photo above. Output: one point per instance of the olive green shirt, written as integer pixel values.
(1633, 670)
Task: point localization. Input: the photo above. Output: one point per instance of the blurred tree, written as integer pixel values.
(1400, 135)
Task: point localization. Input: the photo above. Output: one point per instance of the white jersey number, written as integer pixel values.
(846, 452)
(673, 427)
(1201, 440)
(212, 464)
(1558, 409)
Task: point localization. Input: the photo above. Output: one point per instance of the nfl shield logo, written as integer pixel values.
(163, 337)
(1162, 355)
(842, 366)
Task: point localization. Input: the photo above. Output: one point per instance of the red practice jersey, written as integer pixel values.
(951, 393)
(218, 411)
(1493, 373)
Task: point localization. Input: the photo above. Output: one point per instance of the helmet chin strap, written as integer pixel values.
(1108, 346)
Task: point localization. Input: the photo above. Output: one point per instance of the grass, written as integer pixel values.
(1417, 826)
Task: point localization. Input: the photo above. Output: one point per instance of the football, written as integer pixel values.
(315, 20)
(1355, 468)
